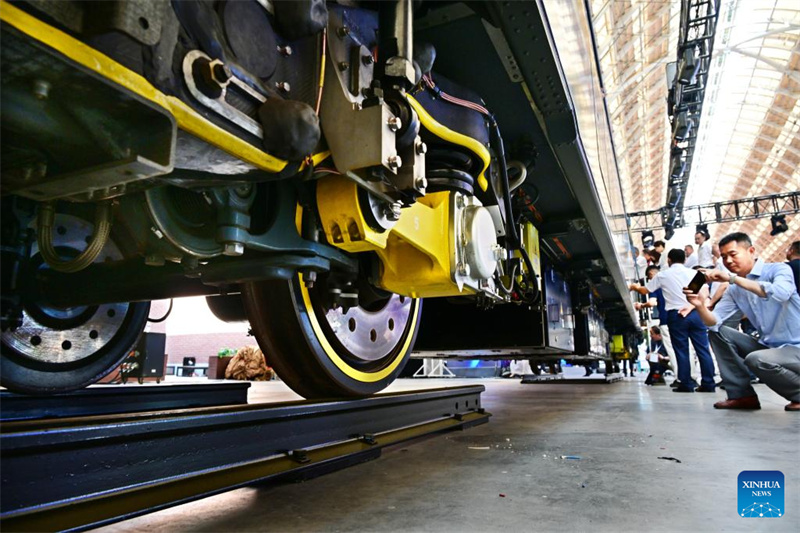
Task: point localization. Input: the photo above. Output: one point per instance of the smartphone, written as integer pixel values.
(697, 282)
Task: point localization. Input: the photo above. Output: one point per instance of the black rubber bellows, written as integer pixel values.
(291, 128)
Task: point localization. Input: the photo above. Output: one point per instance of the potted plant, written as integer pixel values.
(218, 363)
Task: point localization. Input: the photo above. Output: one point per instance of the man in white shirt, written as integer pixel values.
(691, 257)
(705, 258)
(684, 326)
(641, 263)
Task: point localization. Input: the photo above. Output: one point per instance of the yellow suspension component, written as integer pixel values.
(416, 254)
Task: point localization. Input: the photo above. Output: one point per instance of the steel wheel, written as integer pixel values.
(323, 352)
(58, 350)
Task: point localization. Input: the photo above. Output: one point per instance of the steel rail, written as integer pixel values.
(75, 473)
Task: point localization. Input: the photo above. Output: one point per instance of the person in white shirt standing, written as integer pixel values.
(684, 326)
(641, 263)
(691, 257)
(705, 258)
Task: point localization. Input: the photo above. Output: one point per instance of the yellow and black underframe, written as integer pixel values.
(186, 118)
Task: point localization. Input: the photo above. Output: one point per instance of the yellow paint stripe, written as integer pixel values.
(188, 119)
(341, 364)
(454, 137)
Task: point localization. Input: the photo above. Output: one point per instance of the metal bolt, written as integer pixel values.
(343, 32)
(421, 183)
(243, 191)
(233, 248)
(367, 60)
(421, 148)
(394, 162)
(283, 86)
(463, 269)
(221, 73)
(498, 251)
(310, 277)
(41, 89)
(393, 211)
(285, 50)
(394, 124)
(344, 65)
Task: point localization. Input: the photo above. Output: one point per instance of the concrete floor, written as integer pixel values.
(452, 482)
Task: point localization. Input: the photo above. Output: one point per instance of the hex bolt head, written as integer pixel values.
(310, 277)
(421, 148)
(421, 183)
(233, 249)
(463, 269)
(41, 89)
(394, 124)
(367, 59)
(343, 32)
(343, 65)
(283, 86)
(394, 162)
(285, 50)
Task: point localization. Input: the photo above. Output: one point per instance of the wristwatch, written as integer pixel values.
(732, 279)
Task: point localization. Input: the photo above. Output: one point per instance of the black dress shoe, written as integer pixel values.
(704, 389)
(682, 388)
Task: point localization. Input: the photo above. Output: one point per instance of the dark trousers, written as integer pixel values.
(656, 369)
(682, 329)
(738, 355)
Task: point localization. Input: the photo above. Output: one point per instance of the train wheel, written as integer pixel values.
(59, 350)
(320, 351)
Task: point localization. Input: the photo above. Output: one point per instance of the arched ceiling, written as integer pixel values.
(748, 140)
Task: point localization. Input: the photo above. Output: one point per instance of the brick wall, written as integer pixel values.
(203, 345)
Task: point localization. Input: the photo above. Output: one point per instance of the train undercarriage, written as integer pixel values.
(319, 169)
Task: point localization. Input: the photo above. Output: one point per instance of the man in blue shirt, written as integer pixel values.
(766, 294)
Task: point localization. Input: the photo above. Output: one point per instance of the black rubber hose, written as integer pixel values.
(497, 141)
(511, 227)
(166, 315)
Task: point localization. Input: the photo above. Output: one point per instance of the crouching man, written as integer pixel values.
(766, 294)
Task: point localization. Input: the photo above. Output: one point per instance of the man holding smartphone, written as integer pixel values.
(684, 324)
(766, 294)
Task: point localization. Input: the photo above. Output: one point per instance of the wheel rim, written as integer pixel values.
(298, 339)
(368, 336)
(58, 350)
(51, 335)
(358, 365)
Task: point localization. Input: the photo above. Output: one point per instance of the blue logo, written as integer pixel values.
(761, 494)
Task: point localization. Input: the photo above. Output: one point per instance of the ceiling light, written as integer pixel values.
(683, 126)
(779, 224)
(689, 67)
(648, 238)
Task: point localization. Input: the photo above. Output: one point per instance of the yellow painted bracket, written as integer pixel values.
(415, 254)
(186, 117)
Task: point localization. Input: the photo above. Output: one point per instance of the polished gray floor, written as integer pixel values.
(515, 474)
